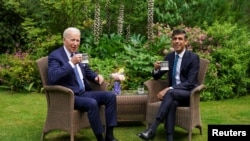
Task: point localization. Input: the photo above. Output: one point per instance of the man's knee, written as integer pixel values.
(111, 96)
(92, 103)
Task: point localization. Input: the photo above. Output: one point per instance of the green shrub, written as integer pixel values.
(228, 74)
(19, 72)
(113, 52)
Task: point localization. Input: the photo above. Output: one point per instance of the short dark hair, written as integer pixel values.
(179, 31)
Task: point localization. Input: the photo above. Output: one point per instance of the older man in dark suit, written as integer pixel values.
(64, 68)
(183, 77)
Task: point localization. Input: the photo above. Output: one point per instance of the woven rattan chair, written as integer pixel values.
(60, 105)
(187, 118)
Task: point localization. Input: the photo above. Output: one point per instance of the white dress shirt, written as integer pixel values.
(72, 65)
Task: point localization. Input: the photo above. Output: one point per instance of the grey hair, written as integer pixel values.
(69, 30)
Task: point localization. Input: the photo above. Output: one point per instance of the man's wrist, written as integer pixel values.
(155, 71)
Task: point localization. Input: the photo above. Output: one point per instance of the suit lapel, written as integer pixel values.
(63, 55)
(184, 60)
(171, 60)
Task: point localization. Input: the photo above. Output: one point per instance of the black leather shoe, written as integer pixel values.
(147, 134)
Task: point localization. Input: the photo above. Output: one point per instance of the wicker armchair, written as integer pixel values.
(186, 117)
(60, 105)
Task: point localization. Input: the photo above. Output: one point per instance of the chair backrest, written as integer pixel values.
(203, 70)
(42, 64)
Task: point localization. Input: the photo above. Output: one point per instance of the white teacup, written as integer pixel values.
(84, 57)
(164, 65)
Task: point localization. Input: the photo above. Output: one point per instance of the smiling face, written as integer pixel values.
(179, 41)
(71, 39)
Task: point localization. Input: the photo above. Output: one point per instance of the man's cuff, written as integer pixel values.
(155, 71)
(71, 64)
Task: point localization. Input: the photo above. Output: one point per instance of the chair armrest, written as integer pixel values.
(59, 98)
(56, 88)
(153, 87)
(97, 87)
(195, 96)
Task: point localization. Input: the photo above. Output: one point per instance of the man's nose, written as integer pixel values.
(75, 42)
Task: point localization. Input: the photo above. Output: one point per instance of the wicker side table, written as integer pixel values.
(131, 106)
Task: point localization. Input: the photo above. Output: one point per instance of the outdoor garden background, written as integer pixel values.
(128, 34)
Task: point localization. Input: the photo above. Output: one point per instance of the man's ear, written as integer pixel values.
(186, 42)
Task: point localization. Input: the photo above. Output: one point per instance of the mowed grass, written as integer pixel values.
(22, 117)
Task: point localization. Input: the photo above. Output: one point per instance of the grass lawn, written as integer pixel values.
(22, 117)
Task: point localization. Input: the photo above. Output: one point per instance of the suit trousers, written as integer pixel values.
(90, 102)
(167, 109)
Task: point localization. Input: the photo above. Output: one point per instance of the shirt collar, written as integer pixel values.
(67, 52)
(181, 54)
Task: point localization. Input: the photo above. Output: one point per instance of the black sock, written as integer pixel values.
(99, 137)
(109, 133)
(170, 137)
(155, 125)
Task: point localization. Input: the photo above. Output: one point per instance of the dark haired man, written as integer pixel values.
(183, 77)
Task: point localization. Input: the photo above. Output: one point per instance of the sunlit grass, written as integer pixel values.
(22, 117)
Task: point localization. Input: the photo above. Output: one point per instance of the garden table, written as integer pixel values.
(131, 106)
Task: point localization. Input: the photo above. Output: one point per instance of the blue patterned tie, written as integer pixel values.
(174, 70)
(80, 83)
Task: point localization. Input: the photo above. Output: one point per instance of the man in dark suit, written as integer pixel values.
(64, 68)
(183, 77)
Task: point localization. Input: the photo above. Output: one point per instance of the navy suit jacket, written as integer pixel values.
(188, 72)
(60, 72)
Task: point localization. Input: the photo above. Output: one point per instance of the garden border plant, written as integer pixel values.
(224, 44)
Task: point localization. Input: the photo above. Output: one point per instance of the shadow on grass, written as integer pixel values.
(124, 131)
(58, 135)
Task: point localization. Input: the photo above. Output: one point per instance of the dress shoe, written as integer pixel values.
(147, 134)
(170, 137)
